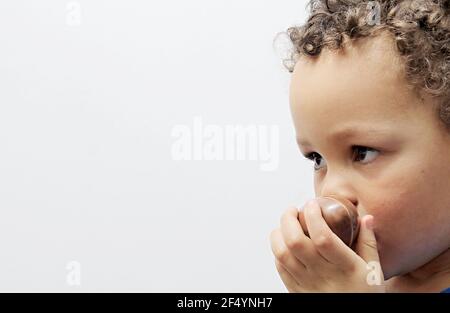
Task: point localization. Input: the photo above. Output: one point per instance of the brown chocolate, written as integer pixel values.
(340, 215)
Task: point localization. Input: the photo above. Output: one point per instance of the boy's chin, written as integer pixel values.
(394, 267)
(390, 273)
(397, 266)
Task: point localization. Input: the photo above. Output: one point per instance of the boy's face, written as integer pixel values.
(399, 170)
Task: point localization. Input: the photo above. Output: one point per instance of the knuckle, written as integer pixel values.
(279, 250)
(350, 268)
(283, 216)
(288, 213)
(292, 210)
(294, 243)
(323, 241)
(372, 244)
(273, 240)
(282, 255)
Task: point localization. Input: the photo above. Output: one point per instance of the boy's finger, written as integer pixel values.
(295, 239)
(327, 243)
(285, 257)
(366, 244)
(288, 280)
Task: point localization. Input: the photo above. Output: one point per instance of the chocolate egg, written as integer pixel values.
(341, 216)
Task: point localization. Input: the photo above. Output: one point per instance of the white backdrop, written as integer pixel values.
(99, 101)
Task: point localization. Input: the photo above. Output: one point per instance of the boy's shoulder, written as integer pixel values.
(446, 290)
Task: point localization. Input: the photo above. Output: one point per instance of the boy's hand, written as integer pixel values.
(323, 263)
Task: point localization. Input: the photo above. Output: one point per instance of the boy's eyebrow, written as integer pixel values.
(349, 132)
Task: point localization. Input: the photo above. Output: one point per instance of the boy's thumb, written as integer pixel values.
(366, 245)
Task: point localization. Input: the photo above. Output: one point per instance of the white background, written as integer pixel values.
(86, 171)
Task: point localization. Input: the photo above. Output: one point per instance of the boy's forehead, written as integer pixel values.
(363, 82)
(345, 131)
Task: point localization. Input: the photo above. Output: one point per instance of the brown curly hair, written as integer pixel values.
(420, 28)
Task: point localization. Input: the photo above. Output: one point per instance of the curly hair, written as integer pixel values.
(420, 28)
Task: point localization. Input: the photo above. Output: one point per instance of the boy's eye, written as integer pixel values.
(313, 156)
(367, 153)
(360, 154)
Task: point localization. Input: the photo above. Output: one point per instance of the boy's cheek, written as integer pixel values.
(396, 222)
(391, 223)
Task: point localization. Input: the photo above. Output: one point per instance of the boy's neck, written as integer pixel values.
(434, 276)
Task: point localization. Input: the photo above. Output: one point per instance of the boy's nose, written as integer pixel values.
(341, 196)
(343, 199)
(338, 186)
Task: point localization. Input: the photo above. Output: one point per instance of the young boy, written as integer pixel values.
(371, 108)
